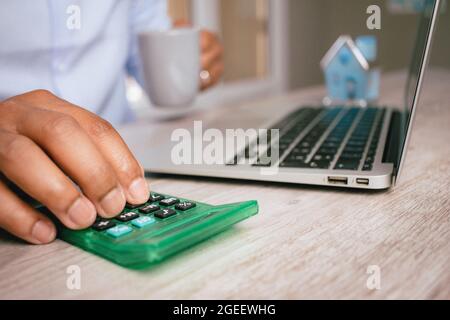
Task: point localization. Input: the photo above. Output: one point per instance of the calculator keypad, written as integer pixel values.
(144, 221)
(102, 225)
(149, 213)
(169, 202)
(184, 206)
(119, 231)
(128, 216)
(165, 213)
(133, 206)
(149, 208)
(154, 197)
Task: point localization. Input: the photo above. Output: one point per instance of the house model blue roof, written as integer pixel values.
(334, 50)
(348, 70)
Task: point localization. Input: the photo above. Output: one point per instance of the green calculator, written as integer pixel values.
(149, 233)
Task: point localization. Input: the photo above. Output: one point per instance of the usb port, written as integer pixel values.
(362, 181)
(338, 180)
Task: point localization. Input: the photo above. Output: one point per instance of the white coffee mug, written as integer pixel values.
(171, 66)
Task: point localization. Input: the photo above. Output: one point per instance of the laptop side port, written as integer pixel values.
(362, 181)
(338, 180)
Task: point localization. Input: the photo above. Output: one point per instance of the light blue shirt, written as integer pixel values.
(81, 50)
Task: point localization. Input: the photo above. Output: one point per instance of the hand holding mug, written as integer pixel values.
(211, 51)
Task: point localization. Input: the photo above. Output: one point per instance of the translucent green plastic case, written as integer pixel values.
(148, 245)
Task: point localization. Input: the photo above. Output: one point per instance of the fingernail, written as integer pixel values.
(113, 203)
(138, 190)
(82, 212)
(43, 232)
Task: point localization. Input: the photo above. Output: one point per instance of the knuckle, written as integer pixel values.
(60, 125)
(221, 51)
(100, 128)
(61, 197)
(100, 178)
(128, 167)
(40, 93)
(7, 108)
(14, 147)
(8, 104)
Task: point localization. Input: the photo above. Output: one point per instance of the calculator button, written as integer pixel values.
(101, 225)
(143, 221)
(165, 213)
(133, 206)
(155, 197)
(128, 216)
(169, 202)
(119, 231)
(149, 208)
(184, 206)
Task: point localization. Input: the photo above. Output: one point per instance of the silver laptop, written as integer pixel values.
(342, 146)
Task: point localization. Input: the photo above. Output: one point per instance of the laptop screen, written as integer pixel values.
(390, 37)
(421, 51)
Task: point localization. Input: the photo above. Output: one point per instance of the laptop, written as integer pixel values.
(342, 146)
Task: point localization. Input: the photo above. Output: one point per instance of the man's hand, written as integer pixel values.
(211, 60)
(48, 147)
(211, 56)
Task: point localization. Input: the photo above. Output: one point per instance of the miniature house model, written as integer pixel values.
(348, 70)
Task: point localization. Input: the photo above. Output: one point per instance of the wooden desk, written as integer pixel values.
(306, 242)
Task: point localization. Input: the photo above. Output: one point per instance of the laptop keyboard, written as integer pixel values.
(328, 138)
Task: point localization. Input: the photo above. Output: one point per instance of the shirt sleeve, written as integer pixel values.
(144, 15)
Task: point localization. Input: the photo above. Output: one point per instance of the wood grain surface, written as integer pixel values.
(307, 242)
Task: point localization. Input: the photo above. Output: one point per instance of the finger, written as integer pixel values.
(180, 23)
(216, 72)
(41, 179)
(109, 143)
(61, 136)
(128, 170)
(207, 40)
(211, 56)
(22, 221)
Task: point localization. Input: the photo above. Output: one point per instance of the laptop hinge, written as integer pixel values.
(392, 148)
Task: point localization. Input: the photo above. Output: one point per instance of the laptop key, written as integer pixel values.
(351, 155)
(319, 157)
(305, 144)
(353, 149)
(371, 153)
(333, 145)
(355, 143)
(327, 151)
(300, 151)
(320, 164)
(370, 160)
(344, 164)
(294, 164)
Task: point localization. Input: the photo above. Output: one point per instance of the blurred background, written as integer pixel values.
(274, 46)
